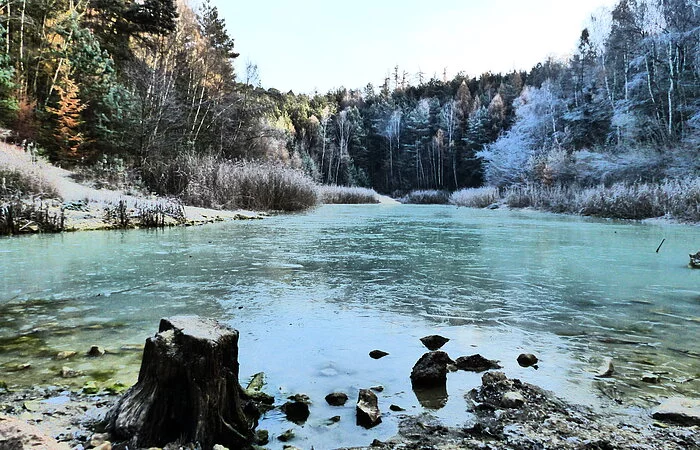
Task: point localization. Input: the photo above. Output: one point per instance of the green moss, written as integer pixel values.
(116, 387)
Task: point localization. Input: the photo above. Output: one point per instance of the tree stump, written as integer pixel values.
(187, 390)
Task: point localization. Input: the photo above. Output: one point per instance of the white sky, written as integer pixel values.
(323, 44)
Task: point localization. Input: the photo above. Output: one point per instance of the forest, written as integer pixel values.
(149, 87)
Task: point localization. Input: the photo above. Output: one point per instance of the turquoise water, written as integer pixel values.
(312, 294)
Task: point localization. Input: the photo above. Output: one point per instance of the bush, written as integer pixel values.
(426, 197)
(20, 216)
(264, 186)
(208, 181)
(347, 195)
(475, 197)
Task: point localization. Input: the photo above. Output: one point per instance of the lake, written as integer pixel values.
(312, 294)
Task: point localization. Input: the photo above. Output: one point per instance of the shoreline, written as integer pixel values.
(58, 418)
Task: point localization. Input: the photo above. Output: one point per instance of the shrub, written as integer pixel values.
(426, 197)
(475, 197)
(208, 181)
(347, 195)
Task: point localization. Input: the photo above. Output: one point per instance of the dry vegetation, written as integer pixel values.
(347, 195)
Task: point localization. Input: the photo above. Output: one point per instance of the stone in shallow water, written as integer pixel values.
(512, 399)
(336, 398)
(434, 341)
(368, 414)
(475, 363)
(377, 354)
(527, 360)
(430, 370)
(680, 410)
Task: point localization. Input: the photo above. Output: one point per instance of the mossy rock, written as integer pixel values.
(102, 375)
(90, 388)
(116, 388)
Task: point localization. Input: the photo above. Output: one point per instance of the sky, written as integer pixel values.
(319, 45)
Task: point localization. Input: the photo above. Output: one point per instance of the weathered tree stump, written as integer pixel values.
(187, 390)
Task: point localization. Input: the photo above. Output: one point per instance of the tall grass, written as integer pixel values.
(475, 197)
(21, 175)
(347, 195)
(677, 199)
(210, 182)
(426, 197)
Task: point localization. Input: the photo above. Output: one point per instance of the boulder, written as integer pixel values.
(368, 414)
(377, 354)
(679, 410)
(475, 363)
(651, 378)
(430, 370)
(434, 341)
(65, 355)
(336, 398)
(187, 390)
(527, 360)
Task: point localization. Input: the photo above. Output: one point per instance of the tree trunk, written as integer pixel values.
(187, 390)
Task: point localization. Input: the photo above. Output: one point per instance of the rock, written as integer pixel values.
(286, 436)
(475, 363)
(116, 388)
(187, 389)
(104, 446)
(99, 439)
(434, 342)
(679, 410)
(336, 399)
(606, 369)
(368, 414)
(262, 437)
(32, 405)
(379, 388)
(96, 351)
(256, 382)
(90, 388)
(334, 419)
(290, 447)
(65, 355)
(651, 378)
(297, 410)
(512, 399)
(219, 447)
(396, 408)
(527, 360)
(430, 370)
(377, 354)
(493, 378)
(67, 372)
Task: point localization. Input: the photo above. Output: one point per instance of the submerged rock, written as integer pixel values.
(65, 355)
(430, 370)
(527, 360)
(67, 372)
(368, 414)
(475, 363)
(96, 351)
(286, 436)
(680, 410)
(377, 354)
(651, 378)
(297, 410)
(606, 369)
(396, 408)
(434, 341)
(336, 398)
